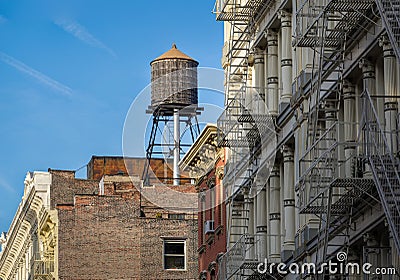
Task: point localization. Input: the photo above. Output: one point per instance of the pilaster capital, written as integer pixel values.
(367, 67)
(219, 172)
(275, 171)
(387, 47)
(365, 64)
(285, 17)
(258, 56)
(370, 240)
(348, 90)
(272, 37)
(288, 153)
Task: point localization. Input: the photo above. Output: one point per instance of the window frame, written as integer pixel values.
(176, 241)
(176, 216)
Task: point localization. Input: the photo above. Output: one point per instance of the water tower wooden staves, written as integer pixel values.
(174, 105)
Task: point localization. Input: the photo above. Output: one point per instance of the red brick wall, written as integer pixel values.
(64, 186)
(98, 239)
(103, 237)
(99, 166)
(213, 243)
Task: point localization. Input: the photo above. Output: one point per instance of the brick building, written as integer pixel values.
(205, 162)
(98, 228)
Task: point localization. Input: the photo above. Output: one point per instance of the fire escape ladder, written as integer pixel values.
(390, 13)
(326, 29)
(239, 217)
(237, 129)
(385, 167)
(236, 81)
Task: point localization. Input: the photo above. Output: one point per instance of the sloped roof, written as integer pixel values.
(173, 53)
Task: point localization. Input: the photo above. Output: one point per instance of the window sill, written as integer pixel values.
(218, 230)
(210, 238)
(201, 249)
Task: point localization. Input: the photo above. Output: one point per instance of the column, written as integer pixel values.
(369, 83)
(261, 222)
(349, 104)
(258, 107)
(354, 258)
(251, 252)
(23, 269)
(372, 250)
(275, 215)
(390, 84)
(395, 260)
(286, 60)
(368, 75)
(288, 198)
(272, 74)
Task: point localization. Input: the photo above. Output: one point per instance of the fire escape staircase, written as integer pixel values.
(234, 124)
(384, 166)
(237, 131)
(390, 13)
(327, 29)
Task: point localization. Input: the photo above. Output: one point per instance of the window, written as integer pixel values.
(175, 254)
(176, 216)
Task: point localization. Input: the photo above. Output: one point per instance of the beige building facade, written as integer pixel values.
(29, 247)
(311, 121)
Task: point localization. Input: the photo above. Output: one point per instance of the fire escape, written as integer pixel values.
(43, 267)
(384, 164)
(390, 13)
(325, 191)
(241, 128)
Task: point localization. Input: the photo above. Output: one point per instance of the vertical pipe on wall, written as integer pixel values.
(176, 147)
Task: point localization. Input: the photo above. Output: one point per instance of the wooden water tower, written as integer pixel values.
(174, 104)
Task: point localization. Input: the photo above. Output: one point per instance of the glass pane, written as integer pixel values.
(174, 262)
(174, 248)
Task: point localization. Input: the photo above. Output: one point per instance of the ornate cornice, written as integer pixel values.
(202, 155)
(25, 223)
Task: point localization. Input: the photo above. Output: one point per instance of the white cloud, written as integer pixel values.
(82, 34)
(2, 19)
(40, 77)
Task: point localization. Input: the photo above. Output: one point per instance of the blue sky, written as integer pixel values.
(69, 71)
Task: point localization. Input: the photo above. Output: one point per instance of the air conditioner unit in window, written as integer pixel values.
(209, 226)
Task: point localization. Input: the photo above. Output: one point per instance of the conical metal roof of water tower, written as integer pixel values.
(173, 53)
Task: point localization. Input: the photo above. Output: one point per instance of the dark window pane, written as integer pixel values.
(176, 216)
(174, 262)
(174, 248)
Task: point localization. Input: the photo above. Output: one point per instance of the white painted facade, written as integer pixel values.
(29, 247)
(320, 97)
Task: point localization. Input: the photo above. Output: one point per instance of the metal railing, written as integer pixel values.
(42, 268)
(245, 253)
(323, 163)
(226, 10)
(384, 166)
(390, 13)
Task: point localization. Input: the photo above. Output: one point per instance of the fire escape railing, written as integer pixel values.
(390, 13)
(384, 166)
